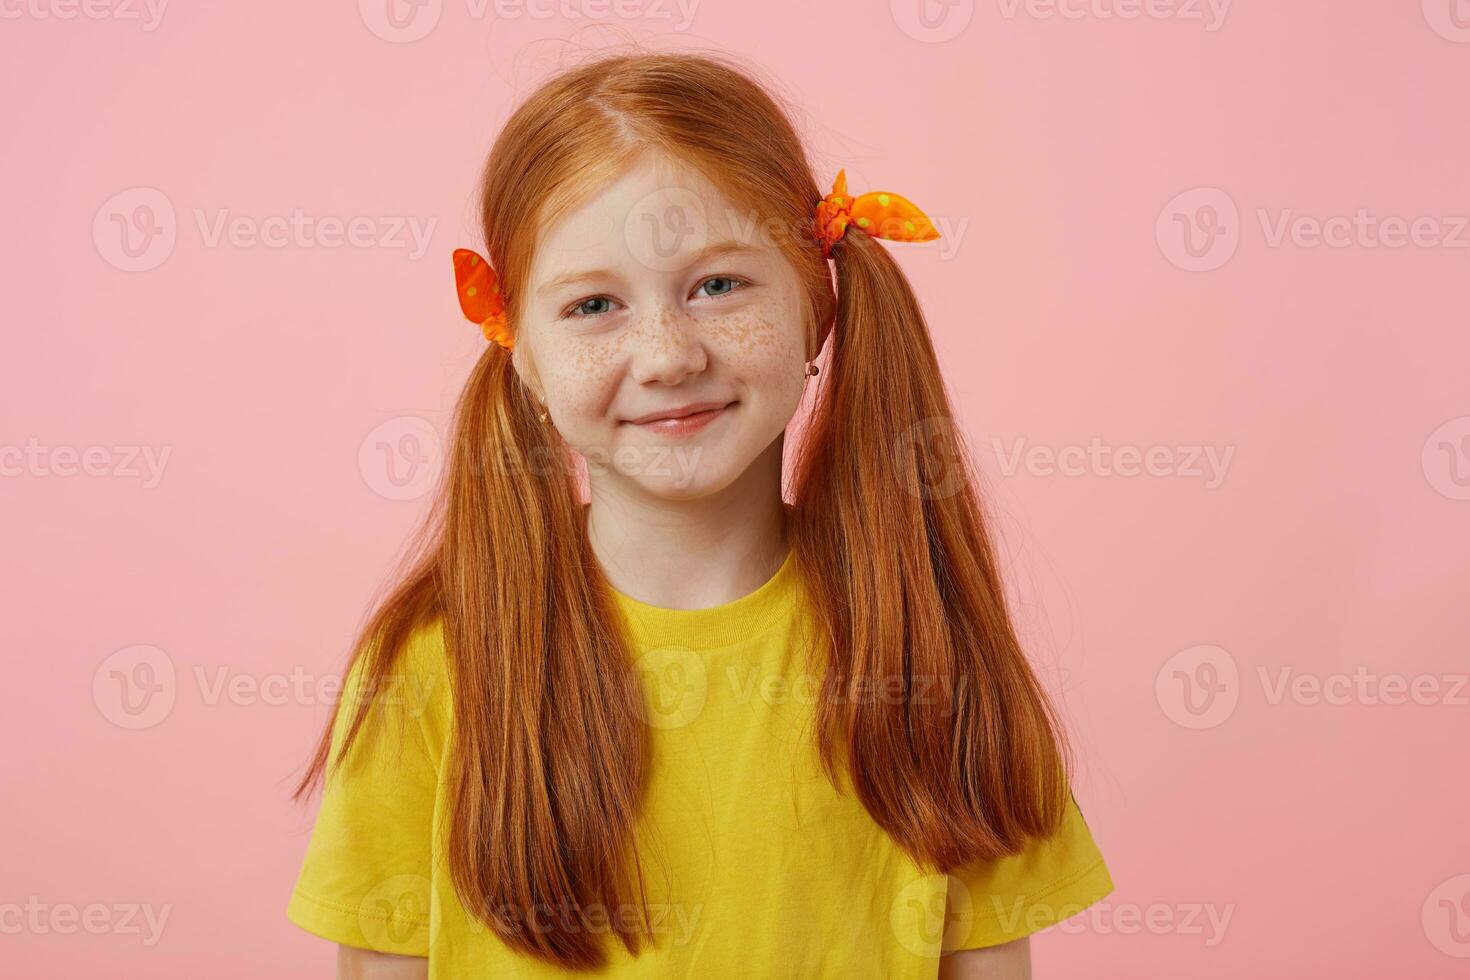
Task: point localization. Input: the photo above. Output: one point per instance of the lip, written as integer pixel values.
(682, 420)
(678, 413)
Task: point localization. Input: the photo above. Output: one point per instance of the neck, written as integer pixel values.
(692, 553)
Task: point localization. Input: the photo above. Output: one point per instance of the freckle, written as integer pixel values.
(749, 333)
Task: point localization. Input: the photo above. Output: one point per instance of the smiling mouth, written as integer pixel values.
(685, 424)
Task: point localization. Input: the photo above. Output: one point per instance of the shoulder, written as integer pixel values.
(418, 658)
(425, 652)
(412, 694)
(426, 677)
(1050, 879)
(425, 670)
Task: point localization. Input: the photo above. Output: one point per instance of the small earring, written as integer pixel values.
(811, 369)
(543, 416)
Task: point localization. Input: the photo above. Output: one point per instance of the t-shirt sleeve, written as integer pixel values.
(1050, 880)
(366, 879)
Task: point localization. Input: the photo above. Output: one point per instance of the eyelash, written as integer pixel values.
(570, 313)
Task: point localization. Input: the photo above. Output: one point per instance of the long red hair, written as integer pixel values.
(549, 748)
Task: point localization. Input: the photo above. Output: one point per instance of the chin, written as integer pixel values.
(677, 470)
(684, 475)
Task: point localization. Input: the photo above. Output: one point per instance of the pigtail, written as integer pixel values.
(548, 745)
(549, 749)
(929, 703)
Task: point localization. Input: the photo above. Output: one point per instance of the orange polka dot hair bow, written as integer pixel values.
(879, 213)
(479, 296)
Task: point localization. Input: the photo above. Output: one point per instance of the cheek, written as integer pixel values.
(760, 352)
(762, 344)
(583, 376)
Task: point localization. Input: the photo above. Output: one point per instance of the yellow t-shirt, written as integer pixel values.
(755, 865)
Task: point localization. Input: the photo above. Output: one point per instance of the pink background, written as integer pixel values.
(1329, 838)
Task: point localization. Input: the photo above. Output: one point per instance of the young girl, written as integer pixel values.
(689, 728)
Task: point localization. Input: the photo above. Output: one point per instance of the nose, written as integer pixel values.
(667, 347)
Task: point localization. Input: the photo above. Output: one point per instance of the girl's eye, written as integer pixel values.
(580, 310)
(731, 284)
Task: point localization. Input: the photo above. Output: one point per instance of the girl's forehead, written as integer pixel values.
(654, 211)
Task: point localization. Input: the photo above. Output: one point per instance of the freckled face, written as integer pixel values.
(655, 295)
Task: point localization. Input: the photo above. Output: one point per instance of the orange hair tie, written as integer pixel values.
(879, 213)
(480, 298)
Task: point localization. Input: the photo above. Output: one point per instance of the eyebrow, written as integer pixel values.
(710, 251)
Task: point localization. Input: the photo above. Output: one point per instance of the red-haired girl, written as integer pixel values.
(652, 701)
